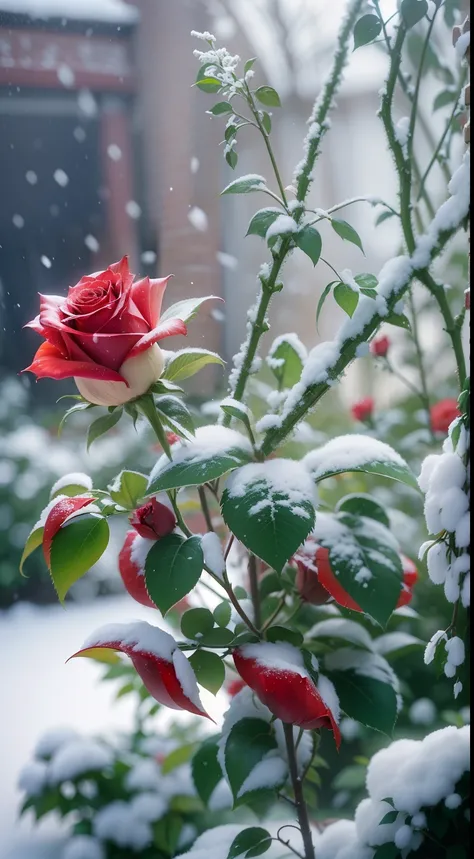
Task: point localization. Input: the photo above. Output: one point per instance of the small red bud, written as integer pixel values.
(363, 410)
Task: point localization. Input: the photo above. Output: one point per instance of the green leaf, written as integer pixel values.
(366, 30)
(173, 568)
(346, 298)
(35, 538)
(390, 817)
(398, 319)
(103, 425)
(232, 158)
(186, 309)
(265, 516)
(282, 633)
(178, 757)
(209, 670)
(270, 583)
(246, 185)
(128, 489)
(285, 361)
(395, 645)
(366, 281)
(346, 232)
(363, 697)
(249, 64)
(76, 547)
(351, 778)
(166, 832)
(447, 96)
(366, 564)
(230, 132)
(268, 96)
(195, 465)
(387, 851)
(384, 216)
(267, 122)
(222, 614)
(413, 11)
(206, 770)
(237, 410)
(262, 220)
(249, 741)
(187, 362)
(208, 84)
(80, 407)
(196, 622)
(384, 460)
(217, 637)
(250, 842)
(363, 505)
(322, 299)
(309, 241)
(175, 415)
(220, 108)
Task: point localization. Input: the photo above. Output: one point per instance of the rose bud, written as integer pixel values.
(278, 676)
(307, 582)
(410, 577)
(153, 520)
(363, 410)
(442, 415)
(104, 334)
(164, 670)
(380, 346)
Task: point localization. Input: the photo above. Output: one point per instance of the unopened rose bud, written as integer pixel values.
(363, 410)
(153, 520)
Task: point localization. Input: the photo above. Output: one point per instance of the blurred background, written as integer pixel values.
(106, 150)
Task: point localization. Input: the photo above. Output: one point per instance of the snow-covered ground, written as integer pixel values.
(39, 692)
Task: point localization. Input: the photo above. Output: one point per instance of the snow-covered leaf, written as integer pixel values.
(246, 184)
(128, 489)
(186, 309)
(206, 82)
(337, 628)
(237, 410)
(366, 281)
(366, 686)
(358, 453)
(396, 644)
(285, 359)
(346, 232)
(346, 298)
(173, 567)
(249, 741)
(174, 414)
(262, 220)
(75, 548)
(310, 242)
(270, 508)
(214, 451)
(187, 362)
(366, 30)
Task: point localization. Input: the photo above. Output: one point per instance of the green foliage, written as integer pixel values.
(76, 548)
(366, 30)
(309, 241)
(173, 568)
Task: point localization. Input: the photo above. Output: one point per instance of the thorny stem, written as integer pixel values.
(319, 115)
(297, 783)
(438, 292)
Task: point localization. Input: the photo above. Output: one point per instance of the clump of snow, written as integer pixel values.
(348, 452)
(139, 552)
(33, 778)
(83, 847)
(213, 554)
(139, 637)
(118, 823)
(422, 712)
(49, 743)
(402, 129)
(198, 219)
(77, 757)
(284, 483)
(74, 478)
(283, 225)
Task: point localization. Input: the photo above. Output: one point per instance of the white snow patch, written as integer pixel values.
(213, 554)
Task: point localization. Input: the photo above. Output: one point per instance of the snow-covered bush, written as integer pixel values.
(303, 575)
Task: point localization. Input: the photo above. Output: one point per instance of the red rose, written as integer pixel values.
(442, 415)
(153, 520)
(380, 346)
(104, 334)
(164, 670)
(277, 675)
(362, 410)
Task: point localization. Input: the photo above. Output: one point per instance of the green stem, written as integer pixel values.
(254, 590)
(454, 331)
(266, 138)
(205, 508)
(146, 404)
(424, 393)
(297, 783)
(435, 156)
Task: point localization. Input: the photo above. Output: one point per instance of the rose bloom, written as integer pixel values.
(153, 520)
(380, 346)
(104, 334)
(363, 409)
(442, 415)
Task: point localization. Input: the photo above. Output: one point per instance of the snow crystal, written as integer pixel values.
(198, 219)
(33, 778)
(118, 823)
(139, 552)
(114, 152)
(77, 757)
(213, 554)
(61, 177)
(18, 221)
(46, 261)
(347, 452)
(133, 210)
(422, 712)
(83, 847)
(92, 243)
(284, 225)
(74, 478)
